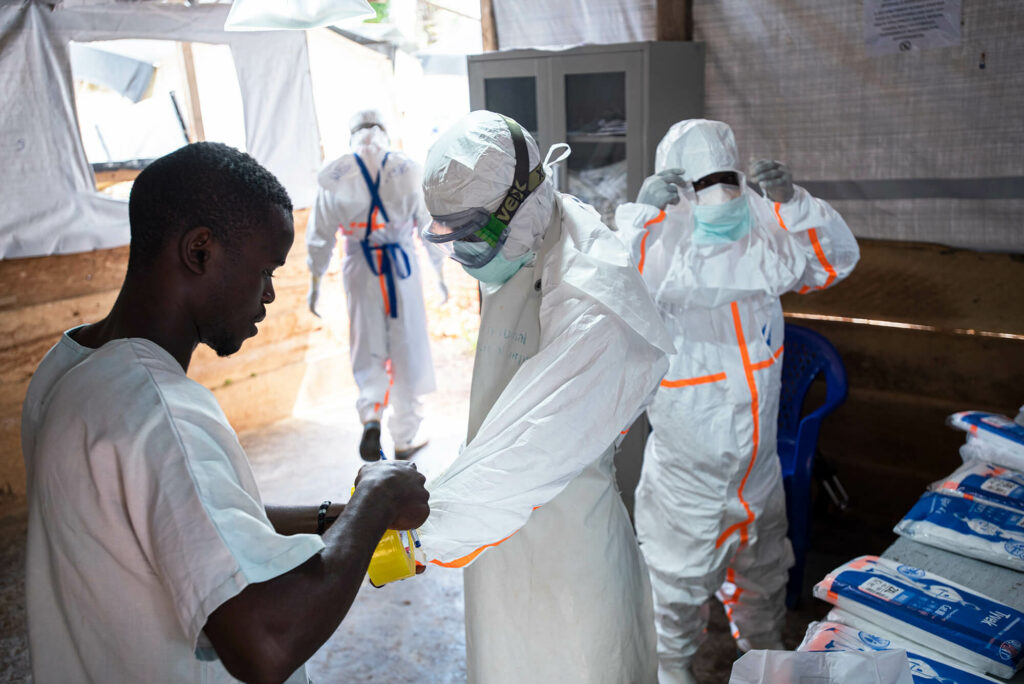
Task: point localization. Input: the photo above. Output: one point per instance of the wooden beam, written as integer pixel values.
(193, 114)
(487, 26)
(674, 20)
(104, 179)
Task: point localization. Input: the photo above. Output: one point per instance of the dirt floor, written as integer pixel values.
(410, 631)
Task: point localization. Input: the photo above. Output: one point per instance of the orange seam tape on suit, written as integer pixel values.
(643, 241)
(779, 217)
(688, 382)
(387, 393)
(760, 365)
(749, 371)
(733, 599)
(468, 558)
(820, 252)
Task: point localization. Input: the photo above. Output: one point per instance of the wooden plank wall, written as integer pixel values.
(963, 349)
(47, 295)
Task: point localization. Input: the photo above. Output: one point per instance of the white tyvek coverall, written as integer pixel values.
(710, 506)
(570, 349)
(390, 356)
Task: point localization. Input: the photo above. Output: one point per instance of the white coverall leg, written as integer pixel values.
(701, 533)
(391, 361)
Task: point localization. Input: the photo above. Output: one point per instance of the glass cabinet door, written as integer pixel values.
(511, 88)
(600, 99)
(515, 97)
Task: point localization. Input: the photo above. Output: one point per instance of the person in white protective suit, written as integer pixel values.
(710, 506)
(570, 350)
(373, 196)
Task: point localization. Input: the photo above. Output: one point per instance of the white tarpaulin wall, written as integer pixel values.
(543, 23)
(49, 204)
(924, 145)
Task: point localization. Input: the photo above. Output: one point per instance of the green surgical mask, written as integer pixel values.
(721, 223)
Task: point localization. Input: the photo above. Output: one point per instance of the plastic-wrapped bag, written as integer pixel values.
(925, 667)
(930, 610)
(984, 481)
(971, 528)
(841, 667)
(990, 437)
(261, 15)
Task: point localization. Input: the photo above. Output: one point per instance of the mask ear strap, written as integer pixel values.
(562, 150)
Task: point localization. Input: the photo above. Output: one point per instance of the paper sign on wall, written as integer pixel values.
(904, 25)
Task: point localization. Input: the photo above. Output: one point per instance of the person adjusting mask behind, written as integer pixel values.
(570, 350)
(710, 507)
(374, 197)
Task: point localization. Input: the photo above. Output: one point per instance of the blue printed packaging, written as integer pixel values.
(986, 482)
(971, 528)
(929, 610)
(925, 667)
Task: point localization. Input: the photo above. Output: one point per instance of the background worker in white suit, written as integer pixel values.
(374, 197)
(710, 506)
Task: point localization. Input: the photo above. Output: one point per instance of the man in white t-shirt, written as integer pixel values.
(151, 556)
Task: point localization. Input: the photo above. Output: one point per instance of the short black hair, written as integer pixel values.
(201, 184)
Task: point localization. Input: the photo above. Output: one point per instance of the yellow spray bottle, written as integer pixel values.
(395, 556)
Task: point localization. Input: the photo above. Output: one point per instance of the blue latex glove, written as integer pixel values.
(773, 178)
(660, 189)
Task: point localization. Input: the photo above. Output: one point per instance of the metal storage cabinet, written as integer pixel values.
(611, 103)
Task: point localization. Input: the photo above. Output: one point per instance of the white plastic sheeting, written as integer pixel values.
(49, 204)
(542, 23)
(915, 145)
(909, 146)
(833, 667)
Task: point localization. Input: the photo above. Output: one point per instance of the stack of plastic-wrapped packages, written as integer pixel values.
(951, 633)
(978, 510)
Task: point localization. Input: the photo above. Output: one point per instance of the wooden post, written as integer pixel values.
(193, 114)
(487, 26)
(674, 20)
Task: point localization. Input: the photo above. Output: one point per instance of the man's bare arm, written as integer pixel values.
(271, 628)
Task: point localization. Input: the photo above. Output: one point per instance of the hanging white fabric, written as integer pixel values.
(261, 15)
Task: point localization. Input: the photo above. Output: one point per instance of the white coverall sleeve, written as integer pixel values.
(558, 414)
(801, 245)
(322, 232)
(638, 227)
(828, 245)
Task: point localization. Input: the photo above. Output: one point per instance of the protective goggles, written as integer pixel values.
(725, 177)
(474, 236)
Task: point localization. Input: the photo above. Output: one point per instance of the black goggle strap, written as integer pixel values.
(524, 181)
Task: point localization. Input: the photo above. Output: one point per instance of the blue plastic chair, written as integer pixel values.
(807, 355)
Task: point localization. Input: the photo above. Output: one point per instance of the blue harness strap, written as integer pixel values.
(388, 258)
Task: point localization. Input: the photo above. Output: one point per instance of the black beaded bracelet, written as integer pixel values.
(321, 517)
